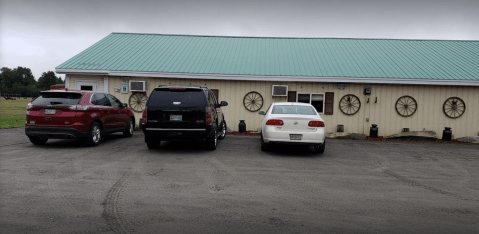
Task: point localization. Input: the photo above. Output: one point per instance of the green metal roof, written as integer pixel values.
(274, 56)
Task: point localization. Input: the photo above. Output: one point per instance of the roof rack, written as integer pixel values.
(175, 85)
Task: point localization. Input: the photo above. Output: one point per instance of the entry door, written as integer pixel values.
(87, 86)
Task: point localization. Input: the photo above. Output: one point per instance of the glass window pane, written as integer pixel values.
(304, 97)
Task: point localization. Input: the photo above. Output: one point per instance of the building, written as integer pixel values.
(396, 84)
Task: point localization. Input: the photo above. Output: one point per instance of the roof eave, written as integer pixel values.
(320, 79)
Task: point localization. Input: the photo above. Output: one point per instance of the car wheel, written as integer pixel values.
(320, 148)
(264, 145)
(212, 141)
(129, 128)
(223, 131)
(38, 140)
(153, 144)
(95, 135)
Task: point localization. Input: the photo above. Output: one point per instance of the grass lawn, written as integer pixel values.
(13, 112)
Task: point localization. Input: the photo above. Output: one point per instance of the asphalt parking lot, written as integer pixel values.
(122, 187)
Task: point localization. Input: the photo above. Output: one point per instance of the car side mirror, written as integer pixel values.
(124, 105)
(223, 103)
(261, 113)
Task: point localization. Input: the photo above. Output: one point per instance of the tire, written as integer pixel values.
(264, 145)
(94, 135)
(153, 144)
(223, 131)
(38, 140)
(129, 128)
(320, 148)
(211, 142)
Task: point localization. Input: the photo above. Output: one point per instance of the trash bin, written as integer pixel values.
(447, 134)
(373, 131)
(242, 126)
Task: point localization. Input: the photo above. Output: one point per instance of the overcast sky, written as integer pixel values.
(42, 34)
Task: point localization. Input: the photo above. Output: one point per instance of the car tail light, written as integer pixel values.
(316, 124)
(143, 116)
(78, 107)
(208, 116)
(275, 122)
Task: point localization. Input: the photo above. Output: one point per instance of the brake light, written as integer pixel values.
(316, 124)
(143, 116)
(78, 107)
(275, 122)
(208, 116)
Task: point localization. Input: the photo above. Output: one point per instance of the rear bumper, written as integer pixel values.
(283, 137)
(172, 134)
(55, 133)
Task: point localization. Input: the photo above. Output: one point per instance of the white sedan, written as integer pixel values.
(292, 123)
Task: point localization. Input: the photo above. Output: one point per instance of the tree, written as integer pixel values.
(47, 79)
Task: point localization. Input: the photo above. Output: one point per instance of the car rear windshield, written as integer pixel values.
(181, 97)
(299, 110)
(57, 99)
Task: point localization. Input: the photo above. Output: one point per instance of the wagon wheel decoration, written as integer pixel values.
(349, 104)
(406, 106)
(454, 107)
(137, 101)
(253, 101)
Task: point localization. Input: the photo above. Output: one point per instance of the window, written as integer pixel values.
(54, 98)
(301, 110)
(211, 98)
(114, 102)
(315, 99)
(84, 85)
(215, 91)
(100, 99)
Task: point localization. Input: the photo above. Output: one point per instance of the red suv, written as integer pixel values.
(86, 115)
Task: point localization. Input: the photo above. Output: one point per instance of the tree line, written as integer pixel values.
(21, 81)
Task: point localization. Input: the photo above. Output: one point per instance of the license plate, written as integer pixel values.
(175, 118)
(296, 137)
(50, 111)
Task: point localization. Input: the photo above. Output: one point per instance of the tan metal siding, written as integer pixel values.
(429, 114)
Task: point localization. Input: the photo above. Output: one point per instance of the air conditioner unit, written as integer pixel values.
(280, 90)
(137, 86)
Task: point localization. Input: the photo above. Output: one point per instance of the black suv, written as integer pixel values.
(176, 112)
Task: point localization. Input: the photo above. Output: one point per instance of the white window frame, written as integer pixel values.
(85, 83)
(310, 98)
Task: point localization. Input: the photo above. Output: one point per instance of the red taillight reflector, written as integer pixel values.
(143, 116)
(316, 124)
(208, 115)
(275, 122)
